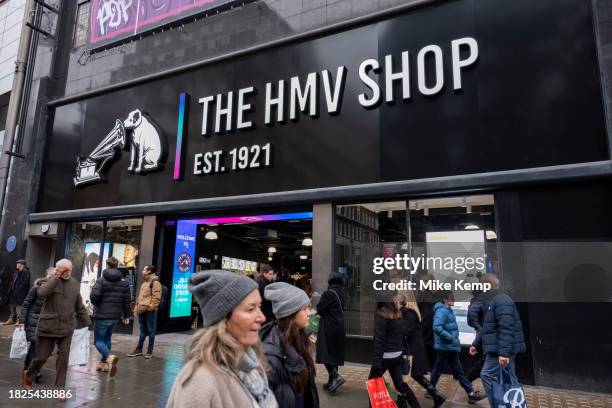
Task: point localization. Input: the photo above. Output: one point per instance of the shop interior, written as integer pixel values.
(240, 244)
(465, 223)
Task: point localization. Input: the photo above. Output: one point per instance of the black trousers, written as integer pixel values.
(394, 366)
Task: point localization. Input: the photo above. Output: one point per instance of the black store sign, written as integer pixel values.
(458, 88)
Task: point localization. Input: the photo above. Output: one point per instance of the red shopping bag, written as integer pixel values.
(379, 395)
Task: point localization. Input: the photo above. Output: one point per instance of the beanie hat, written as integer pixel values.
(21, 261)
(286, 299)
(218, 292)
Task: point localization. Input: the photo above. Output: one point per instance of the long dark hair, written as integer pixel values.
(388, 310)
(297, 338)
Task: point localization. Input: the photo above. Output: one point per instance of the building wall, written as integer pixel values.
(11, 16)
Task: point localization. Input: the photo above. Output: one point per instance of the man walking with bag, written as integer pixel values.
(501, 337)
(111, 299)
(62, 312)
(18, 290)
(149, 298)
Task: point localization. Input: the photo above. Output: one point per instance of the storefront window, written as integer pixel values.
(452, 228)
(121, 239)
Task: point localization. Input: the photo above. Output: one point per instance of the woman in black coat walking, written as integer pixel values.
(331, 336)
(29, 315)
(414, 338)
(390, 349)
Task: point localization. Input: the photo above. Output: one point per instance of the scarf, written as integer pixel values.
(251, 379)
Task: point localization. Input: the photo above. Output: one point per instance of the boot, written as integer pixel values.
(402, 402)
(137, 352)
(9, 322)
(431, 390)
(112, 361)
(25, 380)
(407, 397)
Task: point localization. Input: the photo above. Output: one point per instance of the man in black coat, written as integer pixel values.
(501, 337)
(111, 299)
(18, 290)
(331, 336)
(266, 276)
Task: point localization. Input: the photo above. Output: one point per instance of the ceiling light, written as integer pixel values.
(271, 250)
(269, 258)
(491, 234)
(307, 242)
(303, 257)
(211, 235)
(472, 227)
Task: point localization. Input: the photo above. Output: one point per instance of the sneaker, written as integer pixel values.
(336, 383)
(148, 356)
(475, 397)
(112, 361)
(137, 352)
(25, 380)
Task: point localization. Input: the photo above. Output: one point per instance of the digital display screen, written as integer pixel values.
(184, 253)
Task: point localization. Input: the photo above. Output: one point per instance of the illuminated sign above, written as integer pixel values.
(115, 20)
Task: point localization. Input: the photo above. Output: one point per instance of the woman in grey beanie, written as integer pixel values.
(225, 364)
(291, 369)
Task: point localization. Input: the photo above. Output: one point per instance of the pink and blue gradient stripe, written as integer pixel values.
(250, 218)
(179, 138)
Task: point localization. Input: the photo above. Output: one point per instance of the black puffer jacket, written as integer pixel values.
(30, 312)
(388, 337)
(111, 296)
(284, 363)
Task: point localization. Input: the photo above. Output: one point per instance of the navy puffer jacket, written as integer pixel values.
(446, 331)
(475, 314)
(502, 331)
(111, 296)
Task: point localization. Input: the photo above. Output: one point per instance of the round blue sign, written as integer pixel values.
(11, 243)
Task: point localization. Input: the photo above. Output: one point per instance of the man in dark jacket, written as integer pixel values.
(501, 337)
(475, 318)
(62, 312)
(331, 336)
(265, 278)
(18, 290)
(111, 299)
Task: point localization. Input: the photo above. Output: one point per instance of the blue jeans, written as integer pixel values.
(490, 373)
(453, 358)
(147, 322)
(103, 331)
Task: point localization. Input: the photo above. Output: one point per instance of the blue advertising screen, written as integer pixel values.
(184, 253)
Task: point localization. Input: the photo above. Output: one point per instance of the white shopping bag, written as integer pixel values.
(79, 347)
(19, 346)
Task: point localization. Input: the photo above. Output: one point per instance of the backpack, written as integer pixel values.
(164, 295)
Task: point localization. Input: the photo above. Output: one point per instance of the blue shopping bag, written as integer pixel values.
(508, 391)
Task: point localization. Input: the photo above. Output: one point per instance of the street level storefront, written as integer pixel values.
(460, 116)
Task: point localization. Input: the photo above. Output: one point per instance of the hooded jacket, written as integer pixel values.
(111, 296)
(446, 331)
(149, 295)
(63, 309)
(502, 330)
(30, 312)
(331, 337)
(284, 363)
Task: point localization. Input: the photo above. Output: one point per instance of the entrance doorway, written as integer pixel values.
(241, 244)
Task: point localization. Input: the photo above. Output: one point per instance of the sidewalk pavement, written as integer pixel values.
(147, 383)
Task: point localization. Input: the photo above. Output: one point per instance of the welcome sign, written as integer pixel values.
(184, 252)
(115, 20)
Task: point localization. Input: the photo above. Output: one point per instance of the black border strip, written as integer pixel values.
(376, 191)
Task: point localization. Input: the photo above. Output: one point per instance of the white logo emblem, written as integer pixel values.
(514, 397)
(139, 134)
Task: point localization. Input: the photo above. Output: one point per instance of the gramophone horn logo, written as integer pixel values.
(139, 134)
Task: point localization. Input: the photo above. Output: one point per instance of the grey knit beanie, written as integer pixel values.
(218, 292)
(286, 299)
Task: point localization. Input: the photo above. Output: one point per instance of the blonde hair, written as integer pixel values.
(410, 302)
(215, 347)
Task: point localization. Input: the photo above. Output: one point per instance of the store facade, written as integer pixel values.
(427, 120)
